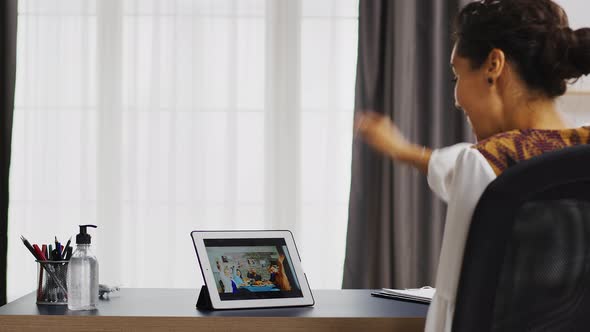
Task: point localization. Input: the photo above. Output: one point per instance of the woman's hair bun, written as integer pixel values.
(566, 53)
(580, 50)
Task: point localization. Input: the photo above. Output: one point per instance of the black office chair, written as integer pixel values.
(526, 265)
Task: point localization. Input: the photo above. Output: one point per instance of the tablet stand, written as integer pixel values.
(204, 301)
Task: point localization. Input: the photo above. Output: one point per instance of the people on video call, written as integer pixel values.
(231, 279)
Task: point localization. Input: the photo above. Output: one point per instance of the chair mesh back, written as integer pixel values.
(527, 254)
(543, 284)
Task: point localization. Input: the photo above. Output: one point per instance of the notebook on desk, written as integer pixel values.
(421, 295)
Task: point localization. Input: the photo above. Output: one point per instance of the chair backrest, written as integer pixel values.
(526, 265)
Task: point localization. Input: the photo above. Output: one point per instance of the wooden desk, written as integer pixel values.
(136, 309)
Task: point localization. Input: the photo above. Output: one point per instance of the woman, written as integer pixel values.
(511, 60)
(237, 278)
(229, 286)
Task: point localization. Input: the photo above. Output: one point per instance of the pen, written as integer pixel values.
(40, 287)
(50, 252)
(29, 246)
(58, 249)
(69, 254)
(39, 253)
(44, 250)
(65, 251)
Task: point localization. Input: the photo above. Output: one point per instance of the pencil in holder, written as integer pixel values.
(51, 282)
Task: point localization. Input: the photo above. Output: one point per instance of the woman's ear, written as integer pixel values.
(494, 65)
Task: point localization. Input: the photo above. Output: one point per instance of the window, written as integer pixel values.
(155, 118)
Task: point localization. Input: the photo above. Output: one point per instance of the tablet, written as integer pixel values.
(251, 269)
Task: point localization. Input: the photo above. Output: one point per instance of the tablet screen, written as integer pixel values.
(252, 268)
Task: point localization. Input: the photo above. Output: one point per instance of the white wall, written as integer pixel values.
(575, 105)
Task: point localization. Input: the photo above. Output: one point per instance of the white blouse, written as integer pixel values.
(459, 175)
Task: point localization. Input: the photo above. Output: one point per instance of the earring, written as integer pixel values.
(490, 80)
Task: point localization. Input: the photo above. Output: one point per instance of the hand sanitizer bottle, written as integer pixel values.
(82, 280)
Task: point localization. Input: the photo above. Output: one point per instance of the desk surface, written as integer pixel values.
(334, 309)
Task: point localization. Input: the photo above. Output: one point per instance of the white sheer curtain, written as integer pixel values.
(155, 118)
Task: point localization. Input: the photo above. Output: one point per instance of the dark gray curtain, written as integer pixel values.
(395, 223)
(8, 16)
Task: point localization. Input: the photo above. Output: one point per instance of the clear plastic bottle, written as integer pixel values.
(82, 280)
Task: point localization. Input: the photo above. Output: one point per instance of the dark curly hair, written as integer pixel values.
(533, 34)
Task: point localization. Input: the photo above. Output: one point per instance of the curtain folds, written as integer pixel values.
(8, 18)
(395, 222)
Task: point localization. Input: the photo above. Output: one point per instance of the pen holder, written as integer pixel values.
(51, 282)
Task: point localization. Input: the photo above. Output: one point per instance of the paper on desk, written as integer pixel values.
(423, 294)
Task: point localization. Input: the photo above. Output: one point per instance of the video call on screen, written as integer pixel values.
(246, 269)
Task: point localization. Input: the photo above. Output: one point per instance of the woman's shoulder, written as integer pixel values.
(508, 148)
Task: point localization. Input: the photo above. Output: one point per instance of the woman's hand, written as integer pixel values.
(382, 134)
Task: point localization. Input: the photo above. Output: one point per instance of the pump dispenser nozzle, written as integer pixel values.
(84, 237)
